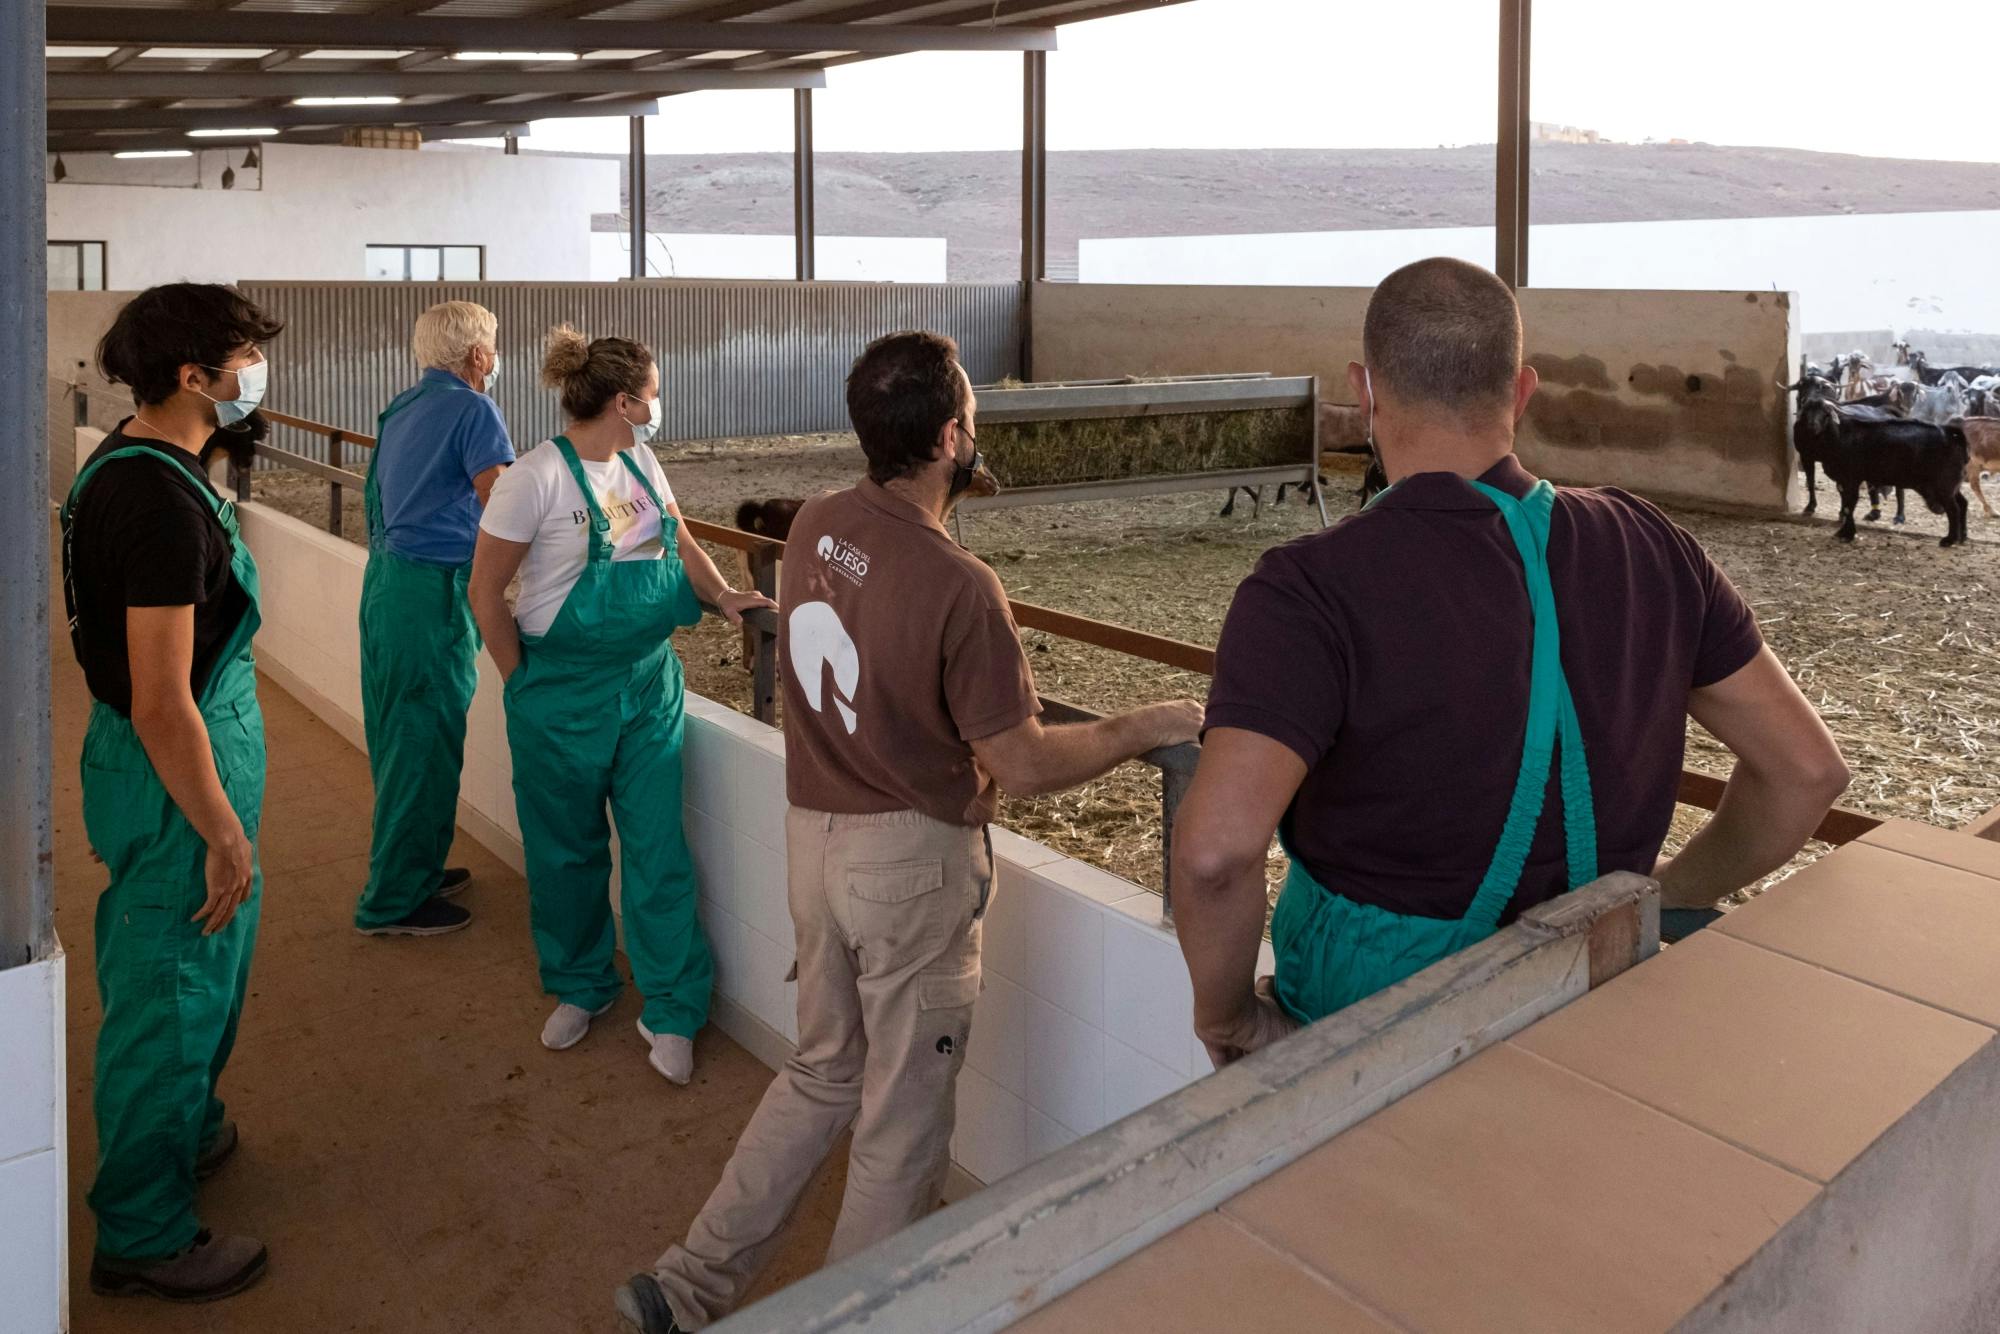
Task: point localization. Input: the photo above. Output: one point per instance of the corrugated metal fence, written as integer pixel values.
(737, 358)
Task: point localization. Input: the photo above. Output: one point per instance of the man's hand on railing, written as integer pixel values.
(1258, 1024)
(732, 604)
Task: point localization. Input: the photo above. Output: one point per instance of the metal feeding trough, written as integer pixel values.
(1056, 443)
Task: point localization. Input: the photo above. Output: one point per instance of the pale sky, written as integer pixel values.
(1836, 76)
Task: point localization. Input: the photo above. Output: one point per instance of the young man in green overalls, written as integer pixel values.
(162, 599)
(1469, 698)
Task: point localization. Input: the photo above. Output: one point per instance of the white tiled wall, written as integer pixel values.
(1086, 1012)
(34, 1218)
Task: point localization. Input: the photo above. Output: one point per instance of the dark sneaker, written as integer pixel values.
(211, 1269)
(645, 1307)
(434, 917)
(210, 1160)
(455, 881)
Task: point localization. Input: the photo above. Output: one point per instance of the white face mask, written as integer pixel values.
(251, 381)
(493, 376)
(649, 428)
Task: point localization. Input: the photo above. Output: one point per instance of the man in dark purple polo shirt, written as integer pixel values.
(1383, 701)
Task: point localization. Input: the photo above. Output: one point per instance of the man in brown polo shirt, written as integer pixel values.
(908, 703)
(1382, 703)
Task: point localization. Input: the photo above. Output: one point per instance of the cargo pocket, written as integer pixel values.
(945, 997)
(898, 912)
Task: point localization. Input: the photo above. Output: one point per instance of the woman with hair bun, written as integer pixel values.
(594, 694)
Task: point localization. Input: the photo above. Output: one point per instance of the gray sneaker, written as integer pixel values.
(210, 1160)
(211, 1269)
(568, 1024)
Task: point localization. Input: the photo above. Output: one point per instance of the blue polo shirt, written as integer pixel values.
(434, 439)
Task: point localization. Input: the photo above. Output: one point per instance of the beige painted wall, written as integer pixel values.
(76, 321)
(1669, 394)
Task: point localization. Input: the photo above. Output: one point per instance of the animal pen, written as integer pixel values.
(1175, 764)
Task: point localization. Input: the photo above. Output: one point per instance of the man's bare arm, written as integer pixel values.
(1788, 772)
(1222, 835)
(1030, 759)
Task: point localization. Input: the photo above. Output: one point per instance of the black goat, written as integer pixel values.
(1892, 451)
(1814, 386)
(1930, 374)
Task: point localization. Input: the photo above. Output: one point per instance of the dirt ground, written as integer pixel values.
(1895, 641)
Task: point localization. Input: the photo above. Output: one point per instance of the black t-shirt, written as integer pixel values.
(1392, 654)
(143, 535)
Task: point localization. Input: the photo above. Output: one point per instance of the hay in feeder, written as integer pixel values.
(1103, 449)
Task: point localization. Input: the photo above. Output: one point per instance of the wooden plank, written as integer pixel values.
(1986, 826)
(1018, 1245)
(313, 467)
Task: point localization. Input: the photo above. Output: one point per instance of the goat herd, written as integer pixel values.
(1918, 427)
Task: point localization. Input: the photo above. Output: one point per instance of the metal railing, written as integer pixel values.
(1175, 764)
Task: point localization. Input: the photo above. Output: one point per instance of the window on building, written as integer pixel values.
(426, 263)
(76, 266)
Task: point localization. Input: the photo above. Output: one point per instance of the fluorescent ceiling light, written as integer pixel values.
(345, 53)
(722, 55)
(621, 55)
(346, 101)
(77, 52)
(155, 152)
(204, 53)
(253, 132)
(514, 55)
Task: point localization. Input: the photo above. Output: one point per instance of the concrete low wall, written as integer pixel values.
(1087, 1011)
(1670, 394)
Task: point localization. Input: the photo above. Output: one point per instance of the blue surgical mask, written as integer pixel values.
(649, 428)
(251, 381)
(493, 376)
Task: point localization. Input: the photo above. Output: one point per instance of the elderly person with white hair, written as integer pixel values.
(439, 447)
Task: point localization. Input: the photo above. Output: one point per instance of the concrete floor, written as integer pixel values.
(414, 1158)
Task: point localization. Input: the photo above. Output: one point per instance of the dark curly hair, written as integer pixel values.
(165, 328)
(901, 392)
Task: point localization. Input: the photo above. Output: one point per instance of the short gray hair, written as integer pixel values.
(1444, 333)
(446, 333)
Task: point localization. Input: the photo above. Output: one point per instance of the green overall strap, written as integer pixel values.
(1551, 713)
(600, 549)
(639, 474)
(371, 493)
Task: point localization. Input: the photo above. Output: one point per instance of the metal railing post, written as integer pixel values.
(1174, 780)
(764, 672)
(333, 489)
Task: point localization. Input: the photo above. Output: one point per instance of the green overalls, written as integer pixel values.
(1332, 951)
(171, 996)
(419, 668)
(594, 713)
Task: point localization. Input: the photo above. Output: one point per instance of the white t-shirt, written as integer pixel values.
(537, 501)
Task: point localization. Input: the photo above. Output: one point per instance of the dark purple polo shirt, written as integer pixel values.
(1391, 652)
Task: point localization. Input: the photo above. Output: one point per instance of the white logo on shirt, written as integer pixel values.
(818, 641)
(844, 557)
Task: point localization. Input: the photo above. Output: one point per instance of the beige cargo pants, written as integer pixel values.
(887, 912)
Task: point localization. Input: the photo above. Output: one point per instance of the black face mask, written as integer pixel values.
(962, 473)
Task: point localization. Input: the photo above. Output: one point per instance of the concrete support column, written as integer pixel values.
(636, 179)
(804, 228)
(1510, 195)
(27, 918)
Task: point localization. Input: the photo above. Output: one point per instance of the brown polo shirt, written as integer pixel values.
(898, 652)
(1391, 652)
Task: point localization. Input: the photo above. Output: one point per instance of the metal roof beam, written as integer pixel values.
(433, 113)
(417, 83)
(102, 24)
(89, 143)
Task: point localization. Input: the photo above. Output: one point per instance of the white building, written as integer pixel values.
(297, 211)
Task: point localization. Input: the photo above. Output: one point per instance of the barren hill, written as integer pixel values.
(973, 199)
